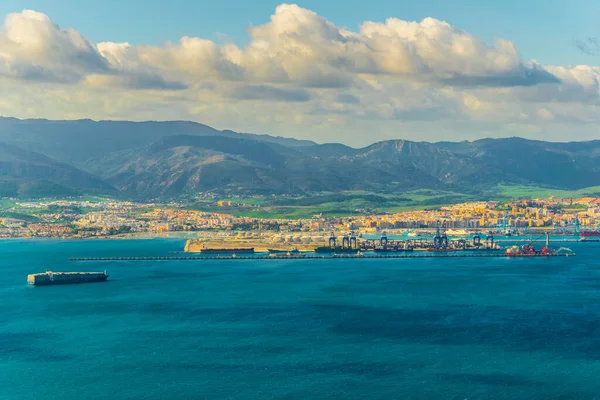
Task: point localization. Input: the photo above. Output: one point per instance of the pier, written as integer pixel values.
(321, 257)
(371, 249)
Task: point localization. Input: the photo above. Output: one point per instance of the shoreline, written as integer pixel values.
(116, 237)
(212, 236)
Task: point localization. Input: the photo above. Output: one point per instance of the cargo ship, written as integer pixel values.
(328, 249)
(64, 278)
(590, 233)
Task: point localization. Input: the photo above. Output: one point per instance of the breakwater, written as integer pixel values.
(319, 257)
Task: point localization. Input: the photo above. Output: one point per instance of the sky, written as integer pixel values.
(336, 71)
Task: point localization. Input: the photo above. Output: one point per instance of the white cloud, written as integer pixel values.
(296, 47)
(300, 70)
(32, 47)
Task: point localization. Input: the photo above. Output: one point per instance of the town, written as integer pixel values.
(84, 218)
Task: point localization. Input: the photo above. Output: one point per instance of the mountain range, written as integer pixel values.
(163, 160)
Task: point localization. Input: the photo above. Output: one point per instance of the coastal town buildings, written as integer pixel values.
(73, 218)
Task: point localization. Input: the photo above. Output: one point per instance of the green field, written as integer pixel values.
(333, 204)
(338, 204)
(365, 203)
(534, 192)
(18, 215)
(6, 204)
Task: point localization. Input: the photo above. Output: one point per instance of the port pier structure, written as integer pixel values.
(564, 253)
(433, 253)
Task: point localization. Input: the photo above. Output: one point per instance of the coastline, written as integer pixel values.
(211, 235)
(129, 236)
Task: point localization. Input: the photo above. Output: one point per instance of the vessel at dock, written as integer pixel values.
(586, 232)
(244, 250)
(590, 233)
(527, 250)
(64, 278)
(335, 250)
(530, 250)
(283, 251)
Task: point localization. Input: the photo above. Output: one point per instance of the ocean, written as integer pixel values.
(489, 328)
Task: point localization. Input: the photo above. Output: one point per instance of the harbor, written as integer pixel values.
(170, 294)
(349, 245)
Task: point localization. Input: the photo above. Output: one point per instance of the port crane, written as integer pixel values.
(349, 241)
(489, 240)
(476, 239)
(440, 240)
(353, 241)
(332, 240)
(383, 242)
(345, 241)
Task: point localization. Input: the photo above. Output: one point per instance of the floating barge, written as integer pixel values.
(64, 278)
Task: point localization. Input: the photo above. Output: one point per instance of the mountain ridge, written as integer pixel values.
(166, 159)
(28, 174)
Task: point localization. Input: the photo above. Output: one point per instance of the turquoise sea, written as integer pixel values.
(297, 329)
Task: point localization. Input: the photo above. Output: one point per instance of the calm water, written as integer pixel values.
(337, 329)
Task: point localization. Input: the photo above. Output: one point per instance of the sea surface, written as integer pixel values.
(488, 328)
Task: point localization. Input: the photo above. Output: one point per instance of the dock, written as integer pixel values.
(321, 257)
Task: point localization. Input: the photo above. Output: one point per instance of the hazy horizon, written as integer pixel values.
(275, 135)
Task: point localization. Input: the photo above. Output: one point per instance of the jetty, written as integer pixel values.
(324, 257)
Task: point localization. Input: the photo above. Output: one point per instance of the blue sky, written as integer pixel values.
(544, 30)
